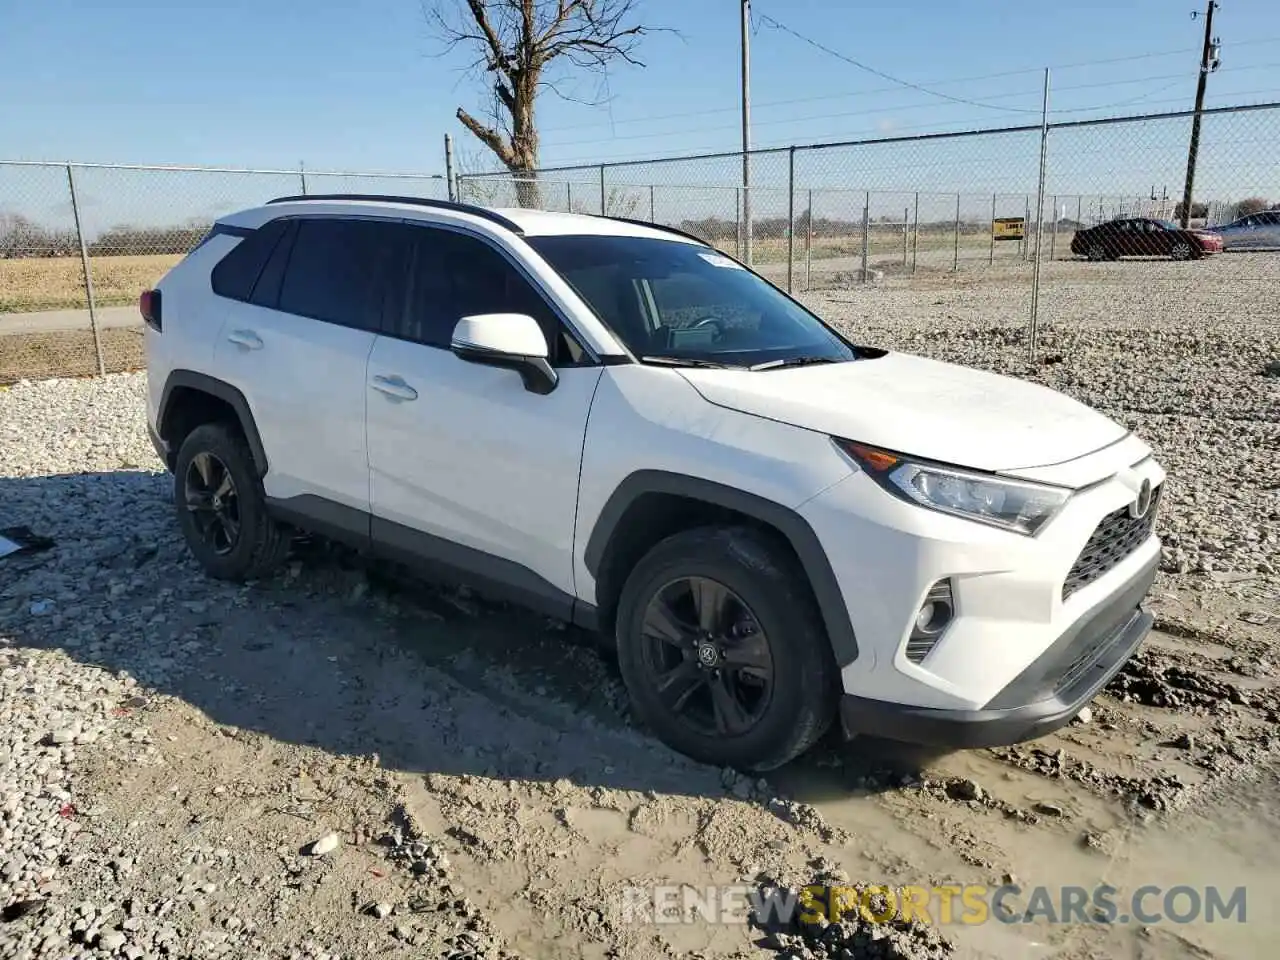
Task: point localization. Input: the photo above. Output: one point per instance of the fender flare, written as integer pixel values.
(793, 527)
(190, 379)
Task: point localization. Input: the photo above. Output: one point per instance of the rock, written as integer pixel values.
(381, 910)
(326, 844)
(112, 941)
(61, 735)
(965, 790)
(1049, 809)
(1084, 716)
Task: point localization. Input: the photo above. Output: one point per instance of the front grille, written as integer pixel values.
(1117, 535)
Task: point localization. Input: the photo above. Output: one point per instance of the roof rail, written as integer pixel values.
(475, 211)
(656, 226)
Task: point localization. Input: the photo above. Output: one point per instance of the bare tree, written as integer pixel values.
(1250, 206)
(526, 45)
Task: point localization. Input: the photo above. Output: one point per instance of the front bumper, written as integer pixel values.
(1044, 697)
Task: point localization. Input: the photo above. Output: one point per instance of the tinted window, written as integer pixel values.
(266, 292)
(236, 273)
(681, 301)
(455, 276)
(341, 270)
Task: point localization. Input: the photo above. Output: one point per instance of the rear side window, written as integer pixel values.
(340, 271)
(237, 272)
(266, 292)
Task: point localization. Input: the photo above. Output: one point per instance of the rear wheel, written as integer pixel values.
(722, 649)
(1097, 252)
(222, 508)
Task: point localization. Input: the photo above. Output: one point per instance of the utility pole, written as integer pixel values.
(746, 131)
(1208, 63)
(448, 169)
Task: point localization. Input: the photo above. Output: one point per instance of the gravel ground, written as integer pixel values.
(340, 763)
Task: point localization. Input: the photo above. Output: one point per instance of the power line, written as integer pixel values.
(1173, 79)
(758, 104)
(771, 22)
(932, 127)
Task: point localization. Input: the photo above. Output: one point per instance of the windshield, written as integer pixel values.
(1169, 225)
(672, 301)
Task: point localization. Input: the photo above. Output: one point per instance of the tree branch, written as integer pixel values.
(488, 136)
(498, 56)
(522, 42)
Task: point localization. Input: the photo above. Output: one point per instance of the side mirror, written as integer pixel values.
(511, 340)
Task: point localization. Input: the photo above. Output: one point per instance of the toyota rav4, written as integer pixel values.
(614, 423)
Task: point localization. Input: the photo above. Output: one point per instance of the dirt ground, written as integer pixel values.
(69, 353)
(50, 283)
(486, 790)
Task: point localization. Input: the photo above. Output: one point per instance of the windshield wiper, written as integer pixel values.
(791, 362)
(684, 362)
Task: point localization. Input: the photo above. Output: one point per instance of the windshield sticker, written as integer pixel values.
(720, 260)
(692, 337)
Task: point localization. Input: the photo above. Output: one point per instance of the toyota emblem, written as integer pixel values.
(1139, 508)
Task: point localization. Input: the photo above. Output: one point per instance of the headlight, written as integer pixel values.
(1009, 504)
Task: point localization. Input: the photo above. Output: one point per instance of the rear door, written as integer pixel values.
(297, 349)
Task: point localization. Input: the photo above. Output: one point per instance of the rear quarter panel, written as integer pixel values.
(192, 318)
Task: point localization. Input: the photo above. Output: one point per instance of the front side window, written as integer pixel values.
(454, 276)
(672, 301)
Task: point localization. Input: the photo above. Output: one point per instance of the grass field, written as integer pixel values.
(53, 283)
(68, 353)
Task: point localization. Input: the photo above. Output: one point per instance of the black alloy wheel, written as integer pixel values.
(211, 497)
(707, 657)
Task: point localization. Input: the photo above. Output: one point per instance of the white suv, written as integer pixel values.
(613, 423)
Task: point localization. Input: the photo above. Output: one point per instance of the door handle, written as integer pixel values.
(245, 338)
(394, 387)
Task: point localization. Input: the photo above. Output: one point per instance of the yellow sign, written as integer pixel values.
(1008, 228)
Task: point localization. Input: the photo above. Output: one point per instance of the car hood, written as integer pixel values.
(920, 407)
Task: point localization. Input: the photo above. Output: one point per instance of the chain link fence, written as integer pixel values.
(933, 209)
(80, 242)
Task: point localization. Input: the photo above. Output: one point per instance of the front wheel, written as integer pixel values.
(1182, 250)
(723, 651)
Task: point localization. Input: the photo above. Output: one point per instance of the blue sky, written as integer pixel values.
(356, 85)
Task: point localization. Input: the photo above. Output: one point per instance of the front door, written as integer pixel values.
(467, 466)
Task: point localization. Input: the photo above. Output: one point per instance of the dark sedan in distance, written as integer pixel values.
(1143, 237)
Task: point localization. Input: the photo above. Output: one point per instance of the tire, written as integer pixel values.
(769, 592)
(260, 544)
(1097, 253)
(1182, 250)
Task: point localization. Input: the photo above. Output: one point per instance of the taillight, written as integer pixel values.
(149, 307)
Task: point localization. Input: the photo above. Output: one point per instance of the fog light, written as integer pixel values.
(934, 615)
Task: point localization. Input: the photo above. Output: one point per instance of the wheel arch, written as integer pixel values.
(190, 398)
(650, 505)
